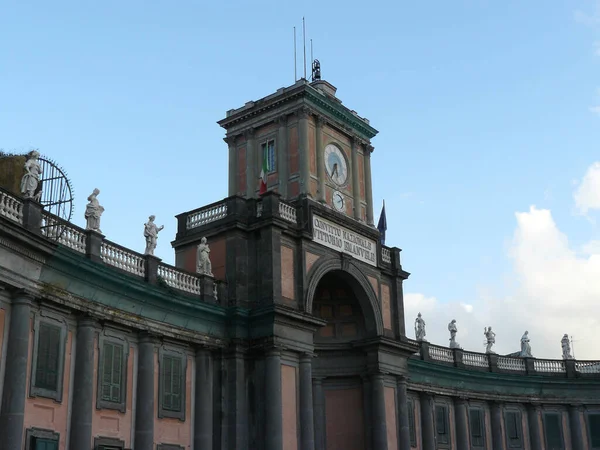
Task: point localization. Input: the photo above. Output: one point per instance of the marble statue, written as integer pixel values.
(31, 179)
(490, 337)
(151, 235)
(566, 347)
(525, 347)
(453, 330)
(204, 265)
(420, 328)
(93, 212)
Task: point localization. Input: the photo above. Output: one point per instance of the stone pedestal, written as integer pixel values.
(151, 263)
(93, 243)
(32, 215)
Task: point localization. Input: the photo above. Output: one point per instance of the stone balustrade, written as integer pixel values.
(31, 215)
(493, 362)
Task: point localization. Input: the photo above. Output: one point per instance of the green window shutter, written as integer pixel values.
(552, 428)
(48, 354)
(172, 379)
(594, 427)
(112, 372)
(476, 427)
(45, 444)
(513, 428)
(441, 423)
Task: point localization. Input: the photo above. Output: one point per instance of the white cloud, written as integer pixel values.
(595, 109)
(554, 290)
(587, 195)
(587, 18)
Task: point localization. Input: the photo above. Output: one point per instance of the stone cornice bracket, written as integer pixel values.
(320, 120)
(230, 140)
(249, 133)
(21, 295)
(357, 140)
(370, 148)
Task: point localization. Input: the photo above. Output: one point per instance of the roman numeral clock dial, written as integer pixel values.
(337, 169)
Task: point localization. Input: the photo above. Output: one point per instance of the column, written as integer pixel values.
(462, 427)
(307, 427)
(320, 161)
(355, 179)
(368, 184)
(401, 394)
(144, 408)
(273, 412)
(233, 165)
(83, 384)
(203, 404)
(427, 428)
(497, 436)
(282, 156)
(319, 410)
(304, 150)
(575, 425)
(379, 422)
(251, 175)
(534, 427)
(12, 412)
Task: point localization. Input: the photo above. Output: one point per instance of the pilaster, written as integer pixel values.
(83, 384)
(304, 150)
(497, 435)
(402, 396)
(320, 121)
(146, 392)
(203, 402)
(233, 164)
(319, 409)
(273, 412)
(368, 184)
(379, 422)
(12, 411)
(307, 427)
(461, 422)
(282, 155)
(355, 178)
(535, 435)
(427, 426)
(251, 173)
(577, 440)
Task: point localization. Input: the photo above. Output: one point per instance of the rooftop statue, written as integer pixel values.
(453, 330)
(31, 179)
(93, 212)
(204, 266)
(490, 337)
(566, 347)
(525, 347)
(420, 328)
(151, 235)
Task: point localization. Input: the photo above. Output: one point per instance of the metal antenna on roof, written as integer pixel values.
(304, 39)
(295, 58)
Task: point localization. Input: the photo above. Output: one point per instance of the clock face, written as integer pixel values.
(338, 201)
(335, 164)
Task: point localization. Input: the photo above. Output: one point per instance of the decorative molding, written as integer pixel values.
(249, 133)
(303, 112)
(282, 120)
(231, 140)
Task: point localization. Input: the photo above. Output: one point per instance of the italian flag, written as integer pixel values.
(263, 173)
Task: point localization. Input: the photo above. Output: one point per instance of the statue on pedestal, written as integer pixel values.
(93, 212)
(31, 179)
(566, 347)
(204, 266)
(420, 328)
(453, 330)
(151, 235)
(525, 347)
(490, 337)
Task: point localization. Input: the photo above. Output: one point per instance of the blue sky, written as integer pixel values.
(483, 108)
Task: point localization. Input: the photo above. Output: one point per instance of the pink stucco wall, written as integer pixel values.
(345, 422)
(174, 431)
(110, 423)
(390, 417)
(289, 407)
(44, 412)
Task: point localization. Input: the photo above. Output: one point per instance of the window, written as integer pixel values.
(112, 374)
(172, 385)
(476, 427)
(441, 424)
(412, 431)
(594, 430)
(268, 152)
(514, 429)
(48, 359)
(168, 447)
(553, 431)
(101, 443)
(38, 439)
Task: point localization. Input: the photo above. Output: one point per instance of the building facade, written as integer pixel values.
(296, 339)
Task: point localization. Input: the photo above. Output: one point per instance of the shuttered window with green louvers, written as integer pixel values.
(112, 372)
(172, 383)
(48, 357)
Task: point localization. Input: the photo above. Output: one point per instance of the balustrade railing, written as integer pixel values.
(441, 354)
(511, 364)
(475, 359)
(122, 258)
(287, 212)
(179, 279)
(11, 207)
(549, 366)
(588, 367)
(63, 232)
(386, 255)
(206, 215)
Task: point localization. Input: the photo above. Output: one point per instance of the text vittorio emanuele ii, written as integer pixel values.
(346, 241)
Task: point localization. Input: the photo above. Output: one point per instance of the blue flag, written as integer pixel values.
(382, 225)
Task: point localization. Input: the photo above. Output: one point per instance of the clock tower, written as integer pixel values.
(308, 144)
